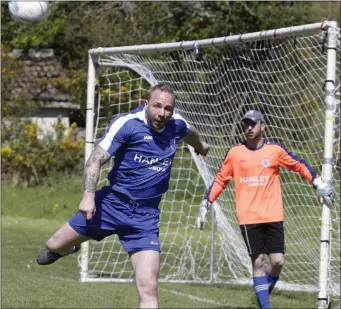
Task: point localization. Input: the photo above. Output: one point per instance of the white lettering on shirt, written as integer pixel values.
(150, 163)
(255, 181)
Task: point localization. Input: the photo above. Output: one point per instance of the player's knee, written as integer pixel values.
(258, 261)
(53, 244)
(277, 261)
(147, 286)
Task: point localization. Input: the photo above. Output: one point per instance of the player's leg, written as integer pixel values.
(78, 229)
(144, 250)
(275, 246)
(64, 239)
(258, 264)
(253, 235)
(139, 236)
(64, 242)
(274, 269)
(146, 266)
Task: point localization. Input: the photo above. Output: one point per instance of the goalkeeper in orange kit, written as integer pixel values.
(254, 165)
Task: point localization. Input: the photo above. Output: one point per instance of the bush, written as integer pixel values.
(28, 160)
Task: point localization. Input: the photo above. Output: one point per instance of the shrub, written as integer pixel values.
(28, 160)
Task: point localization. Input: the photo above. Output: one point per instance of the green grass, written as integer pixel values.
(59, 201)
(25, 284)
(31, 215)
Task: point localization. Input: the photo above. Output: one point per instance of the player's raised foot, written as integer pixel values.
(46, 257)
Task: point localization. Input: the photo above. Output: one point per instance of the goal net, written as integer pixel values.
(281, 73)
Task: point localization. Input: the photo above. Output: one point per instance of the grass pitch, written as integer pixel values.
(30, 216)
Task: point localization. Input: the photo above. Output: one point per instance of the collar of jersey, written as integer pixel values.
(253, 149)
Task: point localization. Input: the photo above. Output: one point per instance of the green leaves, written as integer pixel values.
(28, 159)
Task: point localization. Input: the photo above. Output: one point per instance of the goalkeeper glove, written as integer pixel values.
(325, 191)
(201, 219)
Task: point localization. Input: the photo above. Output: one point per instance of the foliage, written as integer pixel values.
(72, 28)
(28, 159)
(12, 70)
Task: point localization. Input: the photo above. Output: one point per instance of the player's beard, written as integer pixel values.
(253, 136)
(159, 124)
(258, 135)
(153, 122)
(250, 135)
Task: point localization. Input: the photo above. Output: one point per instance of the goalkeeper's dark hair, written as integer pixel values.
(163, 88)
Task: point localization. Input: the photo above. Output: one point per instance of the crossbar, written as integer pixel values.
(233, 39)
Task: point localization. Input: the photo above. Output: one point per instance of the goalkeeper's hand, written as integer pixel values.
(325, 191)
(201, 218)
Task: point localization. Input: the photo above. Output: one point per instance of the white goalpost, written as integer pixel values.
(293, 76)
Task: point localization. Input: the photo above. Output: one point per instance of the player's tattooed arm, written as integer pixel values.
(93, 168)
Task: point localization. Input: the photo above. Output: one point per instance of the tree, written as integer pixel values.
(71, 28)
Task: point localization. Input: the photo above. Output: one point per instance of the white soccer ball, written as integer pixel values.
(28, 12)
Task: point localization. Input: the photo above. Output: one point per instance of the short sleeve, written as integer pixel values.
(116, 134)
(182, 126)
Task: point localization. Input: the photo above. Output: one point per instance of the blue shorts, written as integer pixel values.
(136, 222)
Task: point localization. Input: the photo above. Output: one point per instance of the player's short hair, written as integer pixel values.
(163, 88)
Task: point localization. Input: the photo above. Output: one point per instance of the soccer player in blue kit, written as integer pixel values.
(143, 142)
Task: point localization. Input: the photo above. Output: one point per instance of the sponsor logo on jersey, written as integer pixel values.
(148, 137)
(156, 164)
(255, 181)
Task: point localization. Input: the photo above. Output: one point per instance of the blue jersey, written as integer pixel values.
(143, 155)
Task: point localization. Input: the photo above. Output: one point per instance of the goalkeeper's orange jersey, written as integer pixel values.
(257, 181)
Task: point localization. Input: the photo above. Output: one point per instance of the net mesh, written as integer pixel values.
(214, 87)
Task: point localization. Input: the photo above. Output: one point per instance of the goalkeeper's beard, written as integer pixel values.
(253, 137)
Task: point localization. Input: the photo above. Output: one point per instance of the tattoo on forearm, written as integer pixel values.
(90, 181)
(93, 168)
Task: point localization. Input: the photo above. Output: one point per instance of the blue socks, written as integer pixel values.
(271, 281)
(261, 286)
